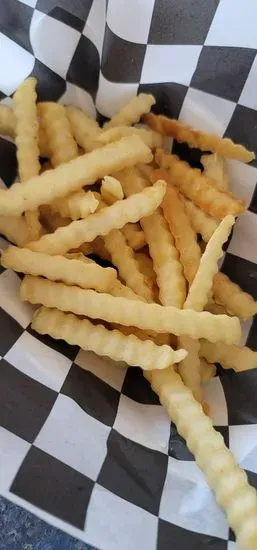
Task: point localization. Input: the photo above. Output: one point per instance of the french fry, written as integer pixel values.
(129, 312)
(76, 205)
(214, 308)
(132, 112)
(61, 145)
(215, 168)
(7, 121)
(70, 177)
(122, 291)
(201, 287)
(84, 129)
(201, 222)
(207, 371)
(195, 138)
(199, 188)
(52, 220)
(110, 343)
(223, 474)
(59, 268)
(146, 265)
(102, 222)
(232, 297)
(15, 229)
(111, 190)
(190, 370)
(229, 356)
(149, 137)
(134, 235)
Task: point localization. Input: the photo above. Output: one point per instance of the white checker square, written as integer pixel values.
(95, 24)
(232, 545)
(243, 242)
(16, 64)
(39, 361)
(242, 180)
(215, 398)
(53, 42)
(118, 520)
(243, 441)
(248, 96)
(130, 20)
(13, 450)
(30, 3)
(206, 112)
(169, 64)
(107, 370)
(74, 95)
(74, 437)
(187, 500)
(10, 300)
(148, 425)
(234, 24)
(111, 96)
(246, 327)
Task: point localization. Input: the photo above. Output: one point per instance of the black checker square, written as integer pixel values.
(251, 341)
(243, 128)
(185, 22)
(175, 537)
(242, 272)
(50, 86)
(10, 331)
(177, 445)
(61, 346)
(169, 97)
(85, 66)
(236, 386)
(93, 395)
(66, 10)
(233, 66)
(53, 486)
(122, 61)
(24, 403)
(15, 19)
(134, 472)
(253, 203)
(138, 388)
(8, 161)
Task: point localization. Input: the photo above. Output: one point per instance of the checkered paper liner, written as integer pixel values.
(90, 449)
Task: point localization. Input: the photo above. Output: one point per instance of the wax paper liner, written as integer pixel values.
(90, 450)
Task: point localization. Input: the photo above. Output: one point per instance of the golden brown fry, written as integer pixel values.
(134, 235)
(150, 138)
(131, 313)
(216, 169)
(65, 179)
(84, 129)
(7, 121)
(146, 265)
(15, 229)
(102, 222)
(214, 308)
(229, 356)
(223, 475)
(207, 371)
(110, 343)
(232, 297)
(201, 222)
(132, 112)
(52, 220)
(201, 287)
(59, 268)
(111, 190)
(195, 138)
(55, 125)
(76, 205)
(199, 188)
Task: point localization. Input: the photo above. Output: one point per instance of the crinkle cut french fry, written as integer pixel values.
(96, 305)
(149, 137)
(15, 229)
(111, 190)
(199, 188)
(110, 343)
(214, 308)
(189, 368)
(158, 339)
(102, 222)
(223, 474)
(134, 235)
(207, 371)
(215, 168)
(146, 265)
(85, 129)
(195, 138)
(59, 268)
(61, 145)
(70, 177)
(202, 223)
(232, 297)
(229, 356)
(132, 112)
(7, 121)
(201, 287)
(76, 205)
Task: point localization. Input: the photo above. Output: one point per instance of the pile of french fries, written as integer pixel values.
(115, 193)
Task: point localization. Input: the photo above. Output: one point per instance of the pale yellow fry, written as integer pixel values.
(59, 268)
(102, 222)
(7, 121)
(122, 291)
(81, 171)
(223, 474)
(232, 297)
(199, 188)
(15, 229)
(84, 129)
(201, 287)
(43, 143)
(201, 222)
(131, 313)
(132, 112)
(104, 342)
(52, 220)
(214, 308)
(146, 265)
(195, 138)
(98, 248)
(190, 369)
(229, 356)
(122, 256)
(111, 190)
(158, 339)
(76, 205)
(216, 169)
(147, 170)
(149, 137)
(134, 235)
(207, 371)
(61, 145)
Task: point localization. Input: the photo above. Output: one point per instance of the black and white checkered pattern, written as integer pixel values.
(90, 449)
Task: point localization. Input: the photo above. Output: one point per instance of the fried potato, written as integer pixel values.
(215, 168)
(201, 287)
(195, 138)
(15, 229)
(76, 205)
(84, 129)
(72, 176)
(229, 356)
(199, 188)
(61, 145)
(190, 368)
(7, 121)
(146, 265)
(201, 222)
(111, 190)
(207, 371)
(149, 137)
(59, 268)
(110, 343)
(102, 222)
(132, 112)
(131, 313)
(232, 297)
(223, 475)
(134, 235)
